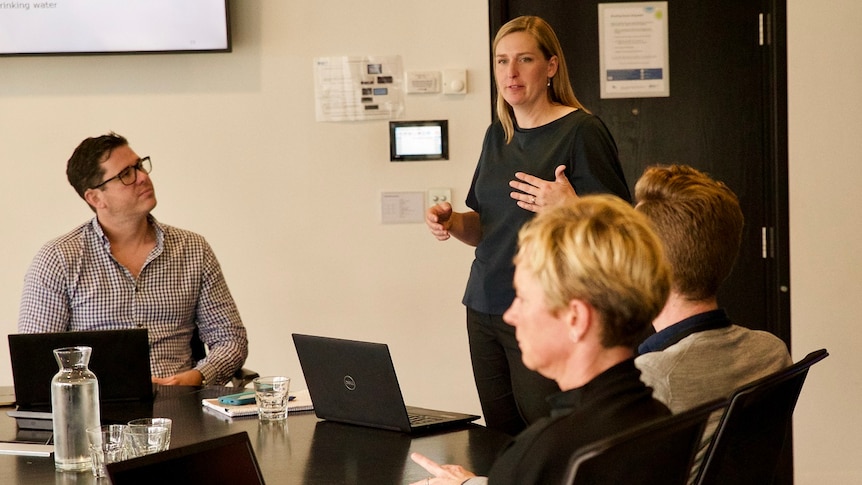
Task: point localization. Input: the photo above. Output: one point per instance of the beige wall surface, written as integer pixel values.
(292, 205)
(824, 68)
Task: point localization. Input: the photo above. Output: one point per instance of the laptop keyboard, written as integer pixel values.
(422, 419)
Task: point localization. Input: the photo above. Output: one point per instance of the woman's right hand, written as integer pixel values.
(439, 220)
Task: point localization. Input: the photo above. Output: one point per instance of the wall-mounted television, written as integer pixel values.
(418, 140)
(57, 27)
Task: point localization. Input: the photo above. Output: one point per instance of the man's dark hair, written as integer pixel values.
(84, 169)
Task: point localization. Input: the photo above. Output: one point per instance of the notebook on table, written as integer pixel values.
(299, 401)
(354, 382)
(120, 360)
(228, 459)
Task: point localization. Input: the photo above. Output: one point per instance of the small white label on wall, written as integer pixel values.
(423, 82)
(402, 207)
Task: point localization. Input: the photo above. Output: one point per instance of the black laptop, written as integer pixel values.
(228, 459)
(354, 382)
(120, 360)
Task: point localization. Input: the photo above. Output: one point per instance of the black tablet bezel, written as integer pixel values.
(444, 133)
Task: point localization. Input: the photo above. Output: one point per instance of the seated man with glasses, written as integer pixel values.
(124, 269)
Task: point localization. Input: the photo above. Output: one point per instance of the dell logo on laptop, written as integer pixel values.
(349, 383)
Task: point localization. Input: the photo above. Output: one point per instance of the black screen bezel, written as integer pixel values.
(444, 133)
(227, 48)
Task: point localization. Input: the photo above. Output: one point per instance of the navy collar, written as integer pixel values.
(710, 320)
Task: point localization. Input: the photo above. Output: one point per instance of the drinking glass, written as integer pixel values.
(166, 422)
(106, 446)
(270, 393)
(145, 440)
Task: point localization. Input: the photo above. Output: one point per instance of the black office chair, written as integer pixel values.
(241, 378)
(661, 451)
(748, 441)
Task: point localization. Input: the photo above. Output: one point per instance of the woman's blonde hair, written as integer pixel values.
(599, 250)
(560, 89)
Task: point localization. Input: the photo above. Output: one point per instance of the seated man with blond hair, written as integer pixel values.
(698, 354)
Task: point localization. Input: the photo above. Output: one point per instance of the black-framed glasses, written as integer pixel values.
(129, 175)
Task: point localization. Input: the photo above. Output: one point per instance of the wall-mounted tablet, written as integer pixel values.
(418, 140)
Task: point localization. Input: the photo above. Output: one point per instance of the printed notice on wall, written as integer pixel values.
(633, 50)
(358, 88)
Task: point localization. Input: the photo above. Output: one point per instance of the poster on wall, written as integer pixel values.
(355, 88)
(633, 50)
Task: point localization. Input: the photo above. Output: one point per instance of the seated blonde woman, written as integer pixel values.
(590, 277)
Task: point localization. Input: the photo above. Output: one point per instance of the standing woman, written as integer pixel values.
(546, 147)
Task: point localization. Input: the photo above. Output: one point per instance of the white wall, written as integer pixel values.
(291, 205)
(824, 68)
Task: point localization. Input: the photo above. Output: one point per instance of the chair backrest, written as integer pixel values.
(199, 350)
(660, 451)
(748, 441)
(241, 377)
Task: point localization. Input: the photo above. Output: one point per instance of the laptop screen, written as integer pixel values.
(228, 459)
(354, 382)
(120, 360)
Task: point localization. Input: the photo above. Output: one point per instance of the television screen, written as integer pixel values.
(113, 26)
(418, 140)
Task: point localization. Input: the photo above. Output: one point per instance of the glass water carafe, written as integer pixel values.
(75, 407)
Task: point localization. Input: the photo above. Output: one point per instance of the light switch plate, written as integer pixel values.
(455, 81)
(436, 196)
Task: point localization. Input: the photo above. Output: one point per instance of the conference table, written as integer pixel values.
(302, 450)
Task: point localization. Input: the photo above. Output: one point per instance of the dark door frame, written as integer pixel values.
(778, 249)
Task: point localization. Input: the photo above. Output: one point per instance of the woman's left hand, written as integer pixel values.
(440, 474)
(534, 193)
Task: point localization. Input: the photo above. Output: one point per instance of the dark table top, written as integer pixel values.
(303, 450)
